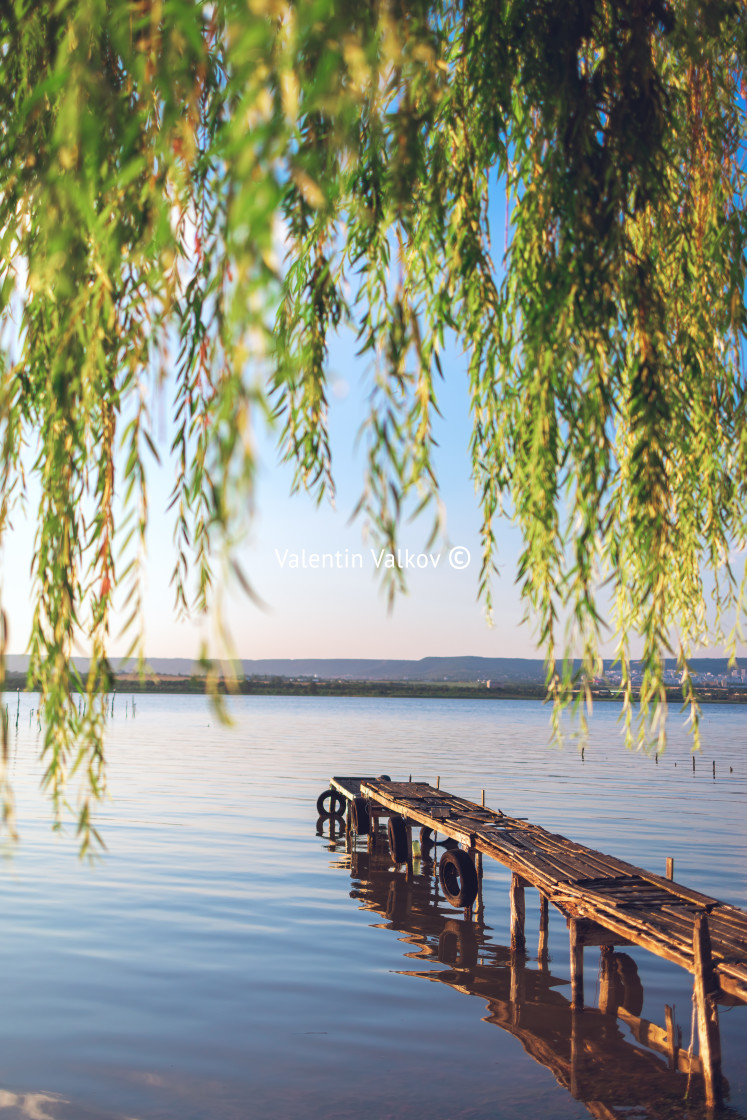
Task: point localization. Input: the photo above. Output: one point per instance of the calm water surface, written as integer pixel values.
(226, 960)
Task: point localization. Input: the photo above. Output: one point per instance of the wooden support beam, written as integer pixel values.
(373, 827)
(670, 868)
(577, 965)
(671, 1037)
(608, 1002)
(706, 990)
(542, 953)
(518, 940)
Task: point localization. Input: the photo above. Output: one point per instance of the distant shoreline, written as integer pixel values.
(415, 690)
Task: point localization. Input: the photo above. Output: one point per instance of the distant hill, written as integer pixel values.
(509, 669)
(462, 669)
(427, 669)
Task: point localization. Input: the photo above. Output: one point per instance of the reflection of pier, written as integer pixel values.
(607, 1057)
(606, 901)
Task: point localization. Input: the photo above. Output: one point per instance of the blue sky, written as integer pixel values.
(327, 612)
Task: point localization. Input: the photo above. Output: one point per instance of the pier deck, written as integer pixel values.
(634, 905)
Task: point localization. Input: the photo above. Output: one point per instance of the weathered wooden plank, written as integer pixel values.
(349, 787)
(733, 968)
(736, 923)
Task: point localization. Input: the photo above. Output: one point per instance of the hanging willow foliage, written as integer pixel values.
(154, 154)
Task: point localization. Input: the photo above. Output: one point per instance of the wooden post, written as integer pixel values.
(577, 966)
(543, 923)
(479, 903)
(706, 987)
(671, 1037)
(607, 988)
(670, 868)
(518, 941)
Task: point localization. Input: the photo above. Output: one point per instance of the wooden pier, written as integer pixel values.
(606, 901)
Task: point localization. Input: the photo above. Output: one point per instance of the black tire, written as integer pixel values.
(360, 820)
(336, 806)
(458, 878)
(399, 846)
(384, 778)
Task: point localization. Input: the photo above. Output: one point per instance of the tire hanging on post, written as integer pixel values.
(399, 846)
(458, 878)
(336, 807)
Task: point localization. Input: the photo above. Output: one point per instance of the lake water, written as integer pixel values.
(226, 959)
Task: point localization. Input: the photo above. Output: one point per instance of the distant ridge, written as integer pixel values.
(426, 669)
(461, 669)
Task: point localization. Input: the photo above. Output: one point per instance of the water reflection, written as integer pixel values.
(617, 1064)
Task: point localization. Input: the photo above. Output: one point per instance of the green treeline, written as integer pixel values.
(283, 686)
